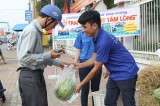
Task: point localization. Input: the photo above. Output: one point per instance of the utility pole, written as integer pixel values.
(29, 7)
(52, 1)
(34, 8)
(53, 40)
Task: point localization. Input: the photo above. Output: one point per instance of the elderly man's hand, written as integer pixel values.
(62, 64)
(55, 55)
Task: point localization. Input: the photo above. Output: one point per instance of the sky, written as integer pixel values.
(13, 11)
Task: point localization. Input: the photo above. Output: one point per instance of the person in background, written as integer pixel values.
(84, 49)
(2, 57)
(111, 53)
(32, 59)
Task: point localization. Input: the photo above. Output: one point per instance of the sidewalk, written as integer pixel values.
(9, 78)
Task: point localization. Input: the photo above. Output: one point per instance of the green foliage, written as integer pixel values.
(60, 3)
(42, 3)
(109, 3)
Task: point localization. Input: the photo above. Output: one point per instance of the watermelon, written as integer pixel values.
(156, 93)
(64, 89)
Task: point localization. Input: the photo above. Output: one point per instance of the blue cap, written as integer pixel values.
(54, 12)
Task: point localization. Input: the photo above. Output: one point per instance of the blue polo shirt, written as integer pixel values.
(85, 44)
(115, 57)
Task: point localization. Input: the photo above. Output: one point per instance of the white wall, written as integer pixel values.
(101, 6)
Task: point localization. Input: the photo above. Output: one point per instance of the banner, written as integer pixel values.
(119, 22)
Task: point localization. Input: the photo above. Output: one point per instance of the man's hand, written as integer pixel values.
(105, 73)
(61, 65)
(59, 51)
(76, 71)
(77, 65)
(66, 63)
(78, 88)
(55, 55)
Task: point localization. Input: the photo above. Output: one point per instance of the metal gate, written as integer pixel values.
(145, 45)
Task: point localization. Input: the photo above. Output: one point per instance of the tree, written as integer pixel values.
(42, 3)
(60, 3)
(109, 3)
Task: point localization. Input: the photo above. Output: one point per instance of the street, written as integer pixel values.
(3, 47)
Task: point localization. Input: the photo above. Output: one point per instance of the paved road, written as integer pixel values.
(9, 78)
(3, 47)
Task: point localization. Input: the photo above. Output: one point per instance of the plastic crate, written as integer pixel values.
(100, 95)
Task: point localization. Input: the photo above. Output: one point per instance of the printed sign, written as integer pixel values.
(119, 22)
(28, 15)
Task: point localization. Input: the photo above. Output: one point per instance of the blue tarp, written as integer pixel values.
(19, 27)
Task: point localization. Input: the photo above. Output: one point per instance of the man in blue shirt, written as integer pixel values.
(109, 51)
(84, 50)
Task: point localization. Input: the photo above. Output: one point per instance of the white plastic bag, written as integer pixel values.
(65, 85)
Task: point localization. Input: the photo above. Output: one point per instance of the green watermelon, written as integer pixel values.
(156, 93)
(64, 89)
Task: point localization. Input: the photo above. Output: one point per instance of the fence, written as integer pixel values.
(145, 45)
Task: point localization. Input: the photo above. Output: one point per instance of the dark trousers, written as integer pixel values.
(95, 83)
(0, 52)
(125, 87)
(1, 86)
(32, 88)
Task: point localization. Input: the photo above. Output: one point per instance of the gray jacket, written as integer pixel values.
(30, 52)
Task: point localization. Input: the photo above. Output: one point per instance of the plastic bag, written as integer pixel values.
(65, 85)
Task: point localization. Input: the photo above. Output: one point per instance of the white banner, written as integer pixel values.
(119, 22)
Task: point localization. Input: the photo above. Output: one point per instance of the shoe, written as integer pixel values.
(3, 98)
